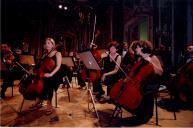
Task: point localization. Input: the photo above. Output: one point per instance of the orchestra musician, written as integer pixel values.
(181, 86)
(144, 51)
(188, 57)
(50, 78)
(10, 71)
(111, 67)
(128, 58)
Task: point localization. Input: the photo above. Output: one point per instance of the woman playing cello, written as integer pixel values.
(50, 78)
(136, 92)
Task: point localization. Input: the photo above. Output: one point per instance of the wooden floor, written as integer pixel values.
(76, 112)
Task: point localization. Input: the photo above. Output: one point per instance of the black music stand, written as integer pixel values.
(91, 64)
(68, 61)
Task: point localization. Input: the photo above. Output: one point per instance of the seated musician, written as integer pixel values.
(50, 79)
(11, 72)
(111, 67)
(181, 86)
(128, 59)
(188, 57)
(144, 112)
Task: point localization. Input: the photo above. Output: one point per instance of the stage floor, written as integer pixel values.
(77, 114)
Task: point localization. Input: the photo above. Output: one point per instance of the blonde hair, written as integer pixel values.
(51, 40)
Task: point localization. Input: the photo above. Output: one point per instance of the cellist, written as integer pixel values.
(50, 78)
(148, 64)
(181, 86)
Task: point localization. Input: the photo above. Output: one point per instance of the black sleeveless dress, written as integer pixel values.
(52, 83)
(112, 79)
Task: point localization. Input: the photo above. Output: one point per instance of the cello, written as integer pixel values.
(183, 83)
(32, 85)
(128, 93)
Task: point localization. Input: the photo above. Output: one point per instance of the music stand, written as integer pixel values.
(91, 64)
(68, 60)
(27, 59)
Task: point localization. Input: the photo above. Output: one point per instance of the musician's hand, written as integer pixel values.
(47, 75)
(103, 78)
(125, 80)
(146, 57)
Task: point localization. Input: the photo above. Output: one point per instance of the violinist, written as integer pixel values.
(11, 72)
(50, 78)
(111, 67)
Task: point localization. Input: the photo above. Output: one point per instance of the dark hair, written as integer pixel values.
(135, 43)
(116, 46)
(146, 45)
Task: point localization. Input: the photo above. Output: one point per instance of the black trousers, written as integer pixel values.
(50, 84)
(145, 109)
(97, 87)
(110, 81)
(8, 77)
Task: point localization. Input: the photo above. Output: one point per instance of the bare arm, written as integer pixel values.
(156, 64)
(153, 60)
(58, 64)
